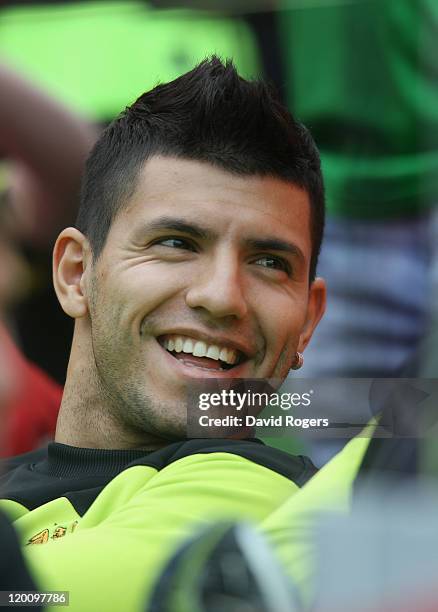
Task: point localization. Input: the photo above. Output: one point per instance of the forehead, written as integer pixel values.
(230, 203)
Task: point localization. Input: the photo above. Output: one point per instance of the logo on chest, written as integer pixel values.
(54, 533)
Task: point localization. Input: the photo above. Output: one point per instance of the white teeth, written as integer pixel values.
(188, 346)
(213, 352)
(198, 348)
(223, 355)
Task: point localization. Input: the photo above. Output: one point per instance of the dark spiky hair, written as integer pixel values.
(209, 114)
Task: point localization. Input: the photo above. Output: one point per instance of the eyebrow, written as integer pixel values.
(180, 225)
(198, 231)
(275, 244)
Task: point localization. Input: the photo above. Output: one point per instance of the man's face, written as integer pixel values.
(204, 275)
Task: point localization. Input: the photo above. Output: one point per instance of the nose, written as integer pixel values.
(219, 289)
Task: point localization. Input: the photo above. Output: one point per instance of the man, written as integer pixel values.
(194, 257)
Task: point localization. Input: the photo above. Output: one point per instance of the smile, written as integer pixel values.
(198, 353)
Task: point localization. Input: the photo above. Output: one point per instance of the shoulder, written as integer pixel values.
(296, 468)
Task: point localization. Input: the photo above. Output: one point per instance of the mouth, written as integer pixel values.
(195, 353)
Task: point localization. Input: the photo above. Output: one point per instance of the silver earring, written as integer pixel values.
(298, 362)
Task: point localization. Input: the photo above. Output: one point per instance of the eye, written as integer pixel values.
(274, 263)
(176, 243)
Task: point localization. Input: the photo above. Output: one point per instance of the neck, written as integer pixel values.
(87, 418)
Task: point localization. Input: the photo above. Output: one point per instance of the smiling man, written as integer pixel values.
(194, 256)
(204, 273)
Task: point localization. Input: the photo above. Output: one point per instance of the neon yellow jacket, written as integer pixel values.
(101, 524)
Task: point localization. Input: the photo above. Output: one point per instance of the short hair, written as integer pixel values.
(209, 114)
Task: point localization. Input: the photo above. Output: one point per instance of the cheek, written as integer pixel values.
(140, 291)
(282, 323)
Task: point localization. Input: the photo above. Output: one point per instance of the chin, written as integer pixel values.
(167, 424)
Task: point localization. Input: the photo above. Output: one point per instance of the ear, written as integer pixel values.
(71, 257)
(315, 310)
